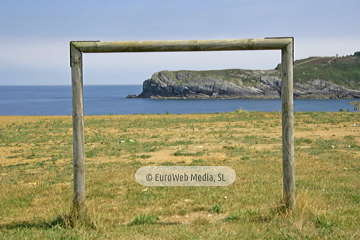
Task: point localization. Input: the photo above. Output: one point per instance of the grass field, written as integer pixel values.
(36, 177)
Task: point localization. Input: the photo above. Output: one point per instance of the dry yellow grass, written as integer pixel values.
(36, 176)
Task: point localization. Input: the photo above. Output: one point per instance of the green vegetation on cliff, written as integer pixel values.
(239, 77)
(343, 71)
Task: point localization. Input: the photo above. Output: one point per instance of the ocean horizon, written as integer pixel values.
(51, 100)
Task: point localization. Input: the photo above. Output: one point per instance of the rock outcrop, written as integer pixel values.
(356, 104)
(235, 84)
(323, 89)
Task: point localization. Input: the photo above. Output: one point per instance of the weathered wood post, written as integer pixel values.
(287, 59)
(78, 131)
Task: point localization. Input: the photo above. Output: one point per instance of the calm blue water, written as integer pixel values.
(104, 100)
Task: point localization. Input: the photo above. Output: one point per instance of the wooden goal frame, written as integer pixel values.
(286, 45)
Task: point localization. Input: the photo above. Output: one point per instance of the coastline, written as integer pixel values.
(106, 100)
(356, 104)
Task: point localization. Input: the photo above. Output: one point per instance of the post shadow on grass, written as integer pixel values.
(144, 219)
(63, 221)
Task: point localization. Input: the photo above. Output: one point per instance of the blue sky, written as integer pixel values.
(35, 35)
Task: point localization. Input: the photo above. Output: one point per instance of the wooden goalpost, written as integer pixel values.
(286, 45)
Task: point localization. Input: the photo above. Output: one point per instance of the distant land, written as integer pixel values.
(314, 77)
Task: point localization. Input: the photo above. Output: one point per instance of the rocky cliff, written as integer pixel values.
(235, 84)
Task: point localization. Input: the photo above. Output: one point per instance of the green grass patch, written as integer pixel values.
(144, 219)
(181, 153)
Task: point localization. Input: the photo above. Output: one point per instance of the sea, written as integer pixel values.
(111, 99)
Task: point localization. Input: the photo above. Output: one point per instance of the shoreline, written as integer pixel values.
(356, 104)
(45, 117)
(205, 97)
(5, 119)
